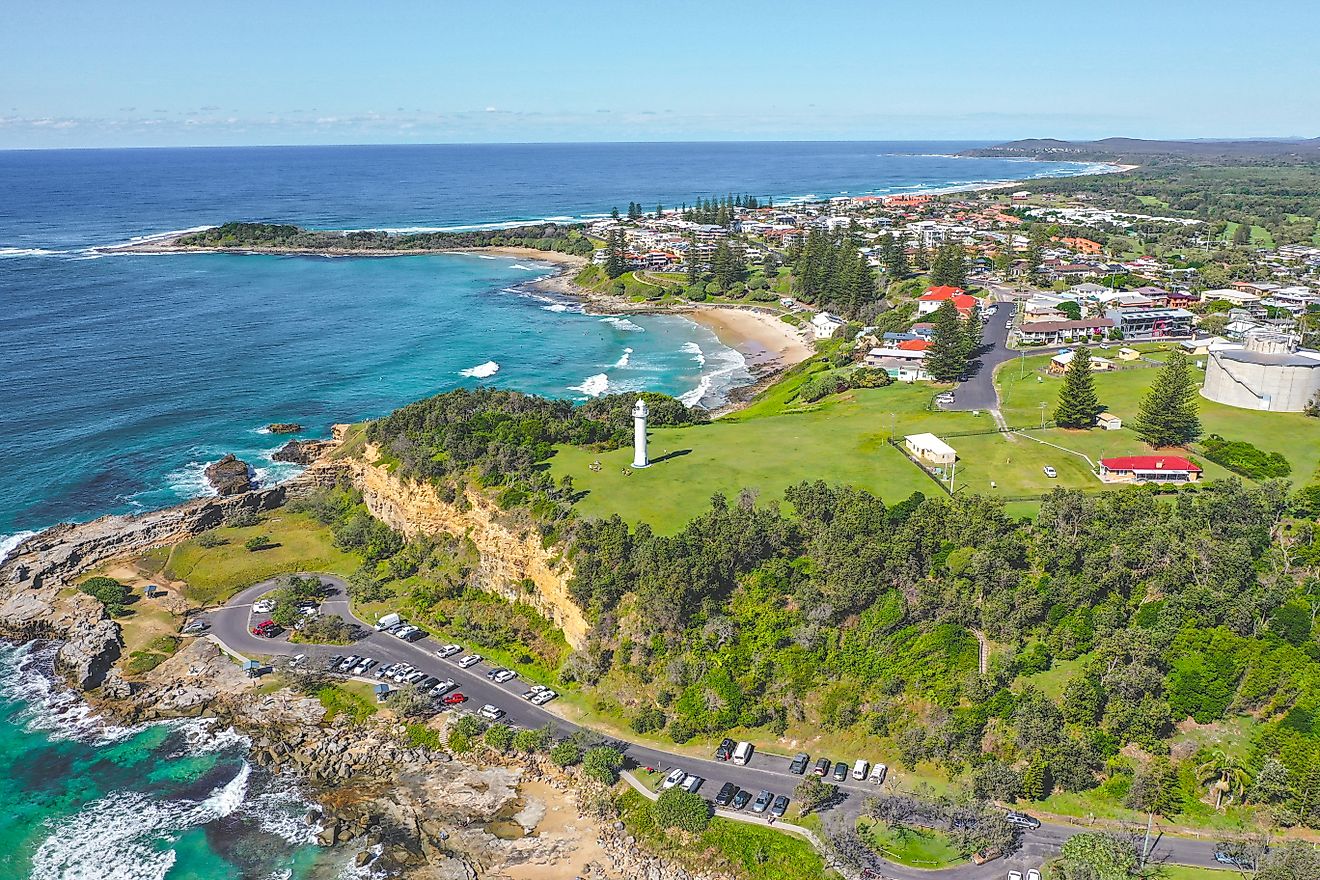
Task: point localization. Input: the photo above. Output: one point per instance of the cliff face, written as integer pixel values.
(508, 557)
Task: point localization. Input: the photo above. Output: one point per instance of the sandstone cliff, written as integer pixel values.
(509, 557)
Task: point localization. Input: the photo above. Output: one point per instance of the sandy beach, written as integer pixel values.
(765, 340)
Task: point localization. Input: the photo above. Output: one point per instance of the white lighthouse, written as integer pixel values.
(639, 434)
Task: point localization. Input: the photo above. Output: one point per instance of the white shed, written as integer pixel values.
(930, 448)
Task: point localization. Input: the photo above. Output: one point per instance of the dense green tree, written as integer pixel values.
(676, 808)
(1168, 415)
(1078, 404)
(973, 331)
(949, 267)
(946, 359)
(602, 763)
(1097, 856)
(893, 257)
(1242, 235)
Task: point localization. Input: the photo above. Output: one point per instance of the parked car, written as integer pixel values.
(861, 768)
(297, 659)
(389, 620)
(674, 777)
(799, 764)
(533, 690)
(504, 675)
(726, 793)
(491, 713)
(363, 666)
(445, 651)
(544, 697)
(1033, 874)
(443, 686)
(878, 772)
(1014, 875)
(1242, 863)
(741, 798)
(822, 767)
(1022, 820)
(469, 661)
(404, 632)
(1008, 325)
(455, 699)
(195, 626)
(840, 772)
(780, 806)
(724, 751)
(266, 629)
(1050, 472)
(692, 782)
(385, 671)
(982, 856)
(743, 753)
(427, 683)
(762, 801)
(263, 606)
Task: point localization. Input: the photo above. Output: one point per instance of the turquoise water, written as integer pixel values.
(84, 800)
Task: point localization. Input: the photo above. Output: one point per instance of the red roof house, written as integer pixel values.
(933, 298)
(1149, 469)
(914, 344)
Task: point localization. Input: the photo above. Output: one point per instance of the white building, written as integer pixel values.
(930, 448)
(824, 325)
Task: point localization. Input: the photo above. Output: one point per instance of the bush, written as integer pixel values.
(648, 719)
(499, 737)
(1245, 459)
(242, 520)
(681, 730)
(566, 753)
(422, 737)
(677, 808)
(109, 592)
(210, 539)
(256, 543)
(603, 763)
(529, 741)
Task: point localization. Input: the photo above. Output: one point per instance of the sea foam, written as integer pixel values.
(623, 324)
(593, 386)
(481, 371)
(9, 543)
(623, 360)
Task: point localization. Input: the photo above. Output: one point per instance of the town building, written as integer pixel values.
(824, 325)
(930, 449)
(1143, 325)
(1149, 469)
(1063, 332)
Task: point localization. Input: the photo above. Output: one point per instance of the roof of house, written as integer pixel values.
(1149, 463)
(941, 292)
(930, 443)
(914, 344)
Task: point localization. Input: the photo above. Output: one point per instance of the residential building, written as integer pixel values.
(824, 325)
(930, 449)
(935, 297)
(1142, 325)
(1063, 332)
(1149, 469)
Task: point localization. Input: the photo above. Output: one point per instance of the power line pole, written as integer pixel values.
(1145, 844)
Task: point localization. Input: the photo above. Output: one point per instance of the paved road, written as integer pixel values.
(230, 625)
(978, 392)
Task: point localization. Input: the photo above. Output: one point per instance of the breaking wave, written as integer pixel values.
(481, 371)
(593, 386)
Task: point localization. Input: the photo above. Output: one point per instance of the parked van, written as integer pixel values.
(878, 772)
(861, 768)
(743, 753)
(388, 621)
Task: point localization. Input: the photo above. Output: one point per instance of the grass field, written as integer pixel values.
(767, 448)
(353, 699)
(299, 543)
(745, 851)
(1294, 435)
(914, 847)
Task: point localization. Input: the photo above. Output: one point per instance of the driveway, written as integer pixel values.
(231, 624)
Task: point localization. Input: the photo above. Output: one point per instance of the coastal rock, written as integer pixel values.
(230, 475)
(303, 451)
(284, 428)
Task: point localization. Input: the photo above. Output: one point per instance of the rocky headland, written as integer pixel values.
(230, 475)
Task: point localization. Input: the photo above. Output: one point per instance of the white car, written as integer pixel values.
(1008, 325)
(265, 606)
(1014, 875)
(533, 690)
(543, 697)
(674, 778)
(504, 675)
(443, 687)
(1033, 874)
(406, 631)
(469, 661)
(494, 713)
(692, 782)
(878, 772)
(1050, 472)
(445, 651)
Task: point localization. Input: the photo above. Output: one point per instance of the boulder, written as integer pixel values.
(230, 475)
(284, 428)
(303, 451)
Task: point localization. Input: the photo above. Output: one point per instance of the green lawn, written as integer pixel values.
(300, 543)
(768, 448)
(914, 847)
(354, 699)
(1294, 435)
(743, 850)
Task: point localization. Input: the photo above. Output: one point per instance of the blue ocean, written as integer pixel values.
(123, 375)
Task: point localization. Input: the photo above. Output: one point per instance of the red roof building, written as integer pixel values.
(933, 298)
(1149, 469)
(914, 345)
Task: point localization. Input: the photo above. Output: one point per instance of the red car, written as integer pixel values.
(266, 628)
(454, 699)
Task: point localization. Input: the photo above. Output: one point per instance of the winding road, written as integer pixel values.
(230, 625)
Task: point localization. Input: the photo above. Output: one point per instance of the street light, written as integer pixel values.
(1043, 404)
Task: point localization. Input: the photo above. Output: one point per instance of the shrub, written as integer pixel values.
(566, 753)
(1244, 458)
(242, 520)
(423, 737)
(603, 763)
(210, 539)
(648, 719)
(681, 730)
(529, 741)
(677, 808)
(256, 543)
(499, 737)
(109, 592)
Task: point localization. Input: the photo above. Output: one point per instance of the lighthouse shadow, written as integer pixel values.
(668, 455)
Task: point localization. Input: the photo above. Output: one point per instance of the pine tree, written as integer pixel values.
(614, 264)
(919, 256)
(614, 213)
(946, 359)
(1242, 235)
(1005, 255)
(893, 257)
(1169, 414)
(659, 209)
(693, 263)
(1035, 254)
(973, 331)
(1078, 403)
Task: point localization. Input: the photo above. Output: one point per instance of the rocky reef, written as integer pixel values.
(284, 428)
(230, 475)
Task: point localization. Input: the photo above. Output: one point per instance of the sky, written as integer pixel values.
(148, 73)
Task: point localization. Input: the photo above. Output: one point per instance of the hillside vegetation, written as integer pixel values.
(543, 237)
